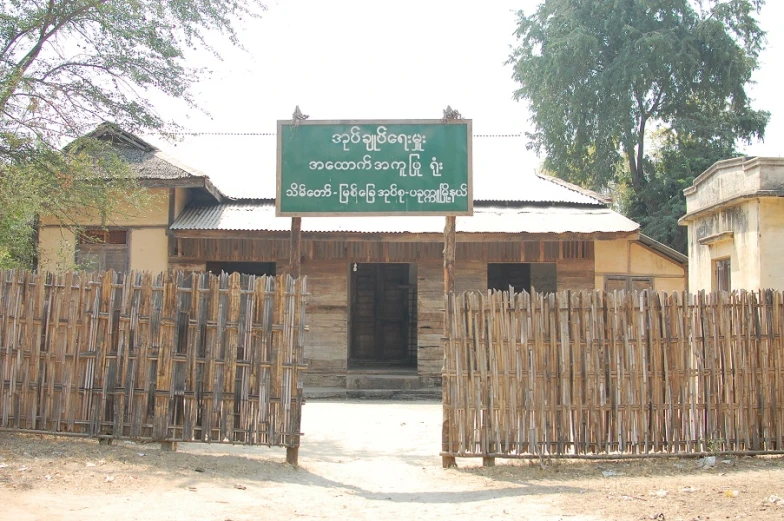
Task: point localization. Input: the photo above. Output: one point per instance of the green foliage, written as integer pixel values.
(67, 65)
(675, 160)
(600, 74)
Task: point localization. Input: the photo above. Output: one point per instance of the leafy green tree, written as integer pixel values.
(601, 75)
(674, 161)
(67, 65)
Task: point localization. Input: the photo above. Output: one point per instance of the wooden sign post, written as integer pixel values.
(375, 167)
(449, 287)
(295, 249)
(295, 256)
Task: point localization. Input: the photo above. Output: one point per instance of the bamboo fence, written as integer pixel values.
(593, 374)
(173, 357)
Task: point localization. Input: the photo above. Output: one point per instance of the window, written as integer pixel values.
(540, 276)
(627, 283)
(722, 275)
(102, 250)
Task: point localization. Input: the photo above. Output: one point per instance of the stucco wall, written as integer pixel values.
(181, 198)
(742, 247)
(56, 250)
(147, 242)
(629, 257)
(771, 242)
(149, 247)
(723, 181)
(733, 211)
(154, 213)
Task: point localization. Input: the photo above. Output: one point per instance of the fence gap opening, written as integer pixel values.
(383, 316)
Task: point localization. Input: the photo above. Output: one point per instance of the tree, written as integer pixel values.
(67, 65)
(600, 75)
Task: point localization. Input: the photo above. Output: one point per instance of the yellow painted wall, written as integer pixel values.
(56, 249)
(149, 249)
(631, 257)
(643, 261)
(148, 246)
(743, 249)
(771, 243)
(611, 256)
(181, 198)
(156, 212)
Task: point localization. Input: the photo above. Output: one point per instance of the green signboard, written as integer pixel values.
(410, 167)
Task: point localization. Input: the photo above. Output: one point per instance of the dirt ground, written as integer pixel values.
(365, 460)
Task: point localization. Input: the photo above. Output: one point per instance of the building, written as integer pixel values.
(376, 282)
(735, 220)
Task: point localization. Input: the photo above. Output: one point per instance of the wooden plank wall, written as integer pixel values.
(171, 357)
(326, 348)
(595, 373)
(430, 305)
(380, 248)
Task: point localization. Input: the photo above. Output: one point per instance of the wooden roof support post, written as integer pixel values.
(295, 249)
(449, 287)
(295, 256)
(295, 261)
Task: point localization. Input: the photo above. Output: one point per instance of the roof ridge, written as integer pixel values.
(107, 128)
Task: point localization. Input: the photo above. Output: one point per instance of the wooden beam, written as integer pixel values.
(295, 253)
(401, 237)
(295, 260)
(449, 287)
(449, 254)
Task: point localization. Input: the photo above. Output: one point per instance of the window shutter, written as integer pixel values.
(115, 258)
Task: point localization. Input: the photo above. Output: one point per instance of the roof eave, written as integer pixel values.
(663, 249)
(400, 236)
(576, 188)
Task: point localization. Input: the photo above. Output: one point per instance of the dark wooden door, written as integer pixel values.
(380, 314)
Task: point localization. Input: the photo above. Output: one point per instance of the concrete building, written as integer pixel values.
(735, 220)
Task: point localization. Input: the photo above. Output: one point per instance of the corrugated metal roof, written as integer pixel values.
(491, 219)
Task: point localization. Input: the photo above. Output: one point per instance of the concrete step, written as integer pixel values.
(395, 394)
(379, 381)
(324, 393)
(338, 393)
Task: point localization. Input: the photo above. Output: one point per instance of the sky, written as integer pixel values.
(377, 59)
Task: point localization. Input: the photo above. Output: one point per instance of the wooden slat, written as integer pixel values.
(168, 357)
(590, 373)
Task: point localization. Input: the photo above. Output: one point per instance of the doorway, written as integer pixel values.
(382, 316)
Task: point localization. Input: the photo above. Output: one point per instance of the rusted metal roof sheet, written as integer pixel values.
(260, 216)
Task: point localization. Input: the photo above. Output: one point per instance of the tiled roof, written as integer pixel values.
(260, 216)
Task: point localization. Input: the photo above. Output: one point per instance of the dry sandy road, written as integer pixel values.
(362, 460)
